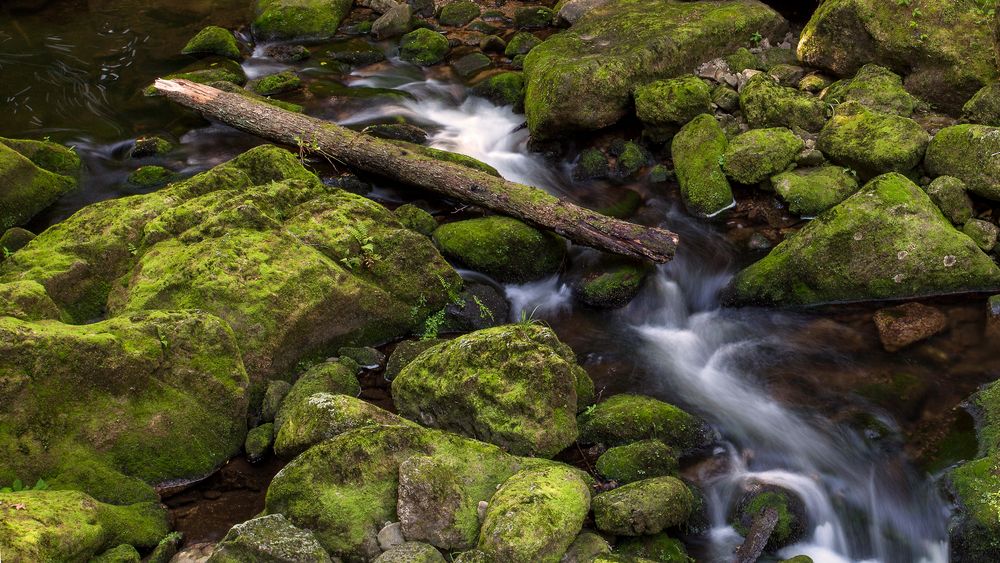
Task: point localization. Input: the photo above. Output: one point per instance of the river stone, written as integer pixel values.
(876, 88)
(656, 547)
(887, 241)
(458, 13)
(811, 191)
(612, 286)
(72, 526)
(516, 386)
(277, 83)
(478, 306)
(273, 396)
(623, 419)
(423, 47)
(213, 40)
(334, 378)
(521, 44)
(505, 89)
(356, 52)
(872, 142)
(765, 103)
(272, 539)
(322, 416)
(697, 151)
(792, 519)
(984, 107)
(298, 20)
(393, 23)
(471, 64)
(756, 155)
(637, 461)
(918, 37)
(34, 174)
(948, 193)
(583, 78)
(535, 515)
(902, 325)
(122, 554)
(585, 548)
(411, 552)
(404, 353)
(967, 152)
(503, 248)
(643, 507)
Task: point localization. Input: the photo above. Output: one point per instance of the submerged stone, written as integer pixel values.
(906, 324)
(697, 151)
(756, 155)
(811, 191)
(297, 20)
(502, 247)
(277, 83)
(791, 512)
(967, 152)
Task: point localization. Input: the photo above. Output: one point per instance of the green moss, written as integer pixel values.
(207, 71)
(27, 301)
(948, 193)
(623, 419)
(631, 159)
(150, 176)
(643, 507)
(967, 152)
(423, 47)
(411, 552)
(672, 102)
(983, 233)
(742, 60)
(535, 515)
(586, 547)
(277, 83)
(765, 103)
(276, 392)
(326, 377)
(756, 155)
(697, 151)
(813, 83)
(984, 107)
(404, 353)
(503, 248)
(14, 239)
(166, 549)
(787, 530)
(28, 187)
(153, 146)
(872, 142)
(657, 547)
(612, 288)
(592, 164)
(637, 461)
(726, 98)
(297, 20)
(522, 43)
(506, 88)
(516, 386)
(268, 538)
(259, 442)
(213, 40)
(47, 155)
(122, 554)
(533, 17)
(886, 241)
(811, 191)
(416, 219)
(234, 89)
(458, 13)
(321, 416)
(876, 88)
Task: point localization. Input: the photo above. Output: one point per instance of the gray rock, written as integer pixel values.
(411, 552)
(269, 539)
(390, 536)
(393, 23)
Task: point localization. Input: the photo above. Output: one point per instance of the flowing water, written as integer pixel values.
(784, 390)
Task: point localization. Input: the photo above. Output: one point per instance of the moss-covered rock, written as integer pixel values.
(725, 98)
(506, 88)
(274, 395)
(71, 526)
(416, 219)
(27, 300)
(756, 155)
(533, 17)
(213, 40)
(697, 150)
(471, 64)
(423, 47)
(671, 103)
(631, 158)
(742, 59)
(278, 83)
(612, 287)
(535, 515)
(876, 88)
(259, 442)
(623, 419)
(166, 549)
(327, 377)
(516, 386)
(886, 241)
(918, 37)
(458, 13)
(270, 538)
(521, 44)
(411, 552)
(657, 547)
(593, 163)
(150, 176)
(948, 193)
(206, 71)
(583, 78)
(404, 353)
(984, 107)
(791, 512)
(967, 152)
(503, 248)
(637, 461)
(872, 142)
(643, 507)
(811, 191)
(297, 20)
(234, 89)
(14, 239)
(150, 146)
(122, 554)
(322, 416)
(34, 174)
(982, 232)
(765, 103)
(586, 547)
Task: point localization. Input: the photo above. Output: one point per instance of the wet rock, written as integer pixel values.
(756, 155)
(535, 515)
(659, 174)
(792, 518)
(982, 232)
(948, 193)
(656, 547)
(478, 306)
(492, 44)
(872, 142)
(533, 17)
(278, 83)
(70, 525)
(150, 176)
(268, 538)
(404, 353)
(623, 419)
(423, 47)
(630, 159)
(411, 552)
(259, 442)
(900, 326)
(967, 152)
(917, 38)
(637, 461)
(506, 88)
(521, 44)
(213, 40)
(665, 105)
(886, 241)
(328, 377)
(471, 64)
(766, 103)
(611, 287)
(298, 20)
(811, 191)
(583, 78)
(697, 150)
(875, 87)
(458, 13)
(356, 52)
(503, 248)
(585, 548)
(592, 163)
(516, 386)
(14, 239)
(393, 23)
(416, 219)
(643, 507)
(285, 53)
(34, 175)
(984, 107)
(993, 318)
(150, 146)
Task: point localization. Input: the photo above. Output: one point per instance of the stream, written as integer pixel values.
(792, 394)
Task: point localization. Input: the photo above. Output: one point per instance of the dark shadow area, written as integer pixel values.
(795, 11)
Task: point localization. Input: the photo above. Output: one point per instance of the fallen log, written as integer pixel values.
(757, 537)
(412, 165)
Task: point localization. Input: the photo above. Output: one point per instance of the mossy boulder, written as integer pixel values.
(637, 461)
(668, 104)
(270, 539)
(872, 142)
(583, 78)
(982, 232)
(516, 386)
(213, 40)
(322, 416)
(150, 176)
(111, 406)
(756, 155)
(917, 38)
(876, 88)
(27, 300)
(612, 287)
(967, 152)
(458, 13)
(533, 17)
(886, 241)
(631, 157)
(811, 191)
(742, 59)
(949, 194)
(327, 377)
(206, 71)
(643, 507)
(765, 103)
(259, 441)
(725, 98)
(274, 395)
(124, 553)
(506, 88)
(502, 247)
(656, 547)
(535, 515)
(792, 516)
(697, 151)
(298, 20)
(521, 44)
(277, 83)
(423, 47)
(34, 174)
(14, 239)
(72, 526)
(416, 219)
(984, 107)
(623, 419)
(592, 163)
(411, 552)
(586, 547)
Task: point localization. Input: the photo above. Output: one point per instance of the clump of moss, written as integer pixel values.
(811, 191)
(790, 510)
(697, 151)
(122, 554)
(213, 40)
(756, 155)
(503, 248)
(623, 419)
(506, 88)
(643, 507)
(423, 47)
(637, 461)
(458, 13)
(765, 103)
(150, 176)
(872, 142)
(416, 219)
(742, 59)
(277, 83)
(876, 88)
(297, 20)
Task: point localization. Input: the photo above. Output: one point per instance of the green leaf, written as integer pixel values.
(17, 486)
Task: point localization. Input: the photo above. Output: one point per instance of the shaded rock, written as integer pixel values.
(150, 176)
(902, 325)
(872, 142)
(213, 40)
(356, 52)
(322, 416)
(984, 107)
(811, 191)
(390, 536)
(725, 98)
(150, 146)
(623, 419)
(471, 64)
(506, 88)
(948, 193)
(585, 548)
(592, 163)
(297, 20)
(285, 53)
(697, 150)
(411, 552)
(478, 306)
(365, 356)
(611, 287)
(982, 232)
(643, 507)
(656, 547)
(504, 248)
(967, 152)
(492, 44)
(533, 17)
(328, 377)
(273, 396)
(521, 44)
(272, 539)
(742, 59)
(404, 353)
(458, 13)
(278, 83)
(637, 461)
(416, 219)
(259, 442)
(630, 159)
(814, 83)
(393, 23)
(665, 105)
(765, 103)
(792, 518)
(876, 88)
(34, 174)
(787, 74)
(756, 155)
(166, 549)
(14, 239)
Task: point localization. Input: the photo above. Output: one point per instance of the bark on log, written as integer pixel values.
(757, 537)
(410, 165)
